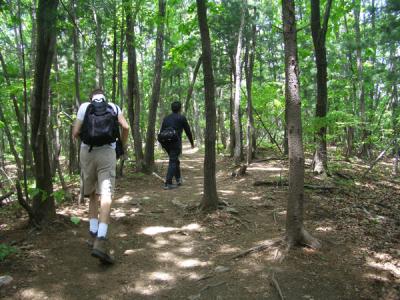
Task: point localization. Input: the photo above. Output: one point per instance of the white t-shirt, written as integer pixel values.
(80, 115)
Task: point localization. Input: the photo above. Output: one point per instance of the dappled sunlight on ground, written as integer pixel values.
(166, 248)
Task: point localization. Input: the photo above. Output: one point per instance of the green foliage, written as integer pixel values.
(59, 196)
(6, 250)
(75, 220)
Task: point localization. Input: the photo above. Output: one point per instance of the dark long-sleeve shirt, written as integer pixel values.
(179, 123)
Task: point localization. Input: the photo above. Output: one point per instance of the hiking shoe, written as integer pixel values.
(90, 241)
(179, 181)
(100, 251)
(168, 186)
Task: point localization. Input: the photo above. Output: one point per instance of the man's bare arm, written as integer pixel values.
(76, 129)
(125, 129)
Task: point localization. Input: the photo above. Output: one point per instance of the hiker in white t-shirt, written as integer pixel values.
(97, 125)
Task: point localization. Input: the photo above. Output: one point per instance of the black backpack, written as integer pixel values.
(167, 136)
(100, 125)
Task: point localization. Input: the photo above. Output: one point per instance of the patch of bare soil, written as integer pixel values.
(166, 249)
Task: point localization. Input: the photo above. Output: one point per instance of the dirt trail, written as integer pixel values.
(166, 251)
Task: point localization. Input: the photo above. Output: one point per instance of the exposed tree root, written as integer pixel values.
(239, 171)
(276, 285)
(259, 248)
(305, 239)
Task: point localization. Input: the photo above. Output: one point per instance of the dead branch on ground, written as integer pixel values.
(286, 183)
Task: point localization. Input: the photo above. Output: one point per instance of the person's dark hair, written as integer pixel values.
(95, 92)
(176, 106)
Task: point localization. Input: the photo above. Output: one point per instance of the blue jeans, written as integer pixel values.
(174, 169)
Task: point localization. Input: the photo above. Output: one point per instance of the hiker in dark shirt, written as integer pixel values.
(174, 149)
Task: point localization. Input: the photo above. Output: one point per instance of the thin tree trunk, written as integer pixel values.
(231, 109)
(360, 78)
(237, 155)
(33, 40)
(295, 232)
(221, 121)
(133, 94)
(43, 202)
(251, 140)
(210, 197)
(99, 49)
(55, 126)
(155, 95)
(120, 61)
(114, 64)
(21, 200)
(76, 47)
(318, 30)
(191, 86)
(196, 117)
(395, 117)
(352, 98)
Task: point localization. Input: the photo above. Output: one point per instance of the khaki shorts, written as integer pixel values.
(98, 170)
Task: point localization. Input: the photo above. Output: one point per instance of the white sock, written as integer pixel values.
(102, 232)
(93, 225)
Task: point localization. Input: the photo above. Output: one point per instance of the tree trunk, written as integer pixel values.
(231, 122)
(196, 117)
(21, 200)
(133, 93)
(352, 98)
(33, 39)
(43, 202)
(191, 86)
(210, 197)
(249, 82)
(75, 40)
(237, 155)
(114, 62)
(318, 30)
(360, 80)
(55, 126)
(99, 49)
(295, 232)
(221, 121)
(395, 117)
(155, 95)
(120, 61)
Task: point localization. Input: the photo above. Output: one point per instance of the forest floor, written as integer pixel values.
(165, 249)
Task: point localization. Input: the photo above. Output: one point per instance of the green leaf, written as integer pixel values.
(75, 220)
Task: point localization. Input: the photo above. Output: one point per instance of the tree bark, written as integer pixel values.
(196, 116)
(237, 155)
(43, 202)
(295, 232)
(155, 95)
(221, 121)
(318, 30)
(21, 200)
(395, 116)
(75, 41)
(249, 61)
(191, 86)
(120, 61)
(114, 62)
(360, 80)
(231, 122)
(99, 49)
(210, 197)
(133, 93)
